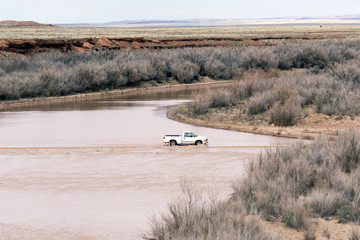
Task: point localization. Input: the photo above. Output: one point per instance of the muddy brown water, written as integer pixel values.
(97, 169)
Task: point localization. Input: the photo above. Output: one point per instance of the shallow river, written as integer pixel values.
(97, 169)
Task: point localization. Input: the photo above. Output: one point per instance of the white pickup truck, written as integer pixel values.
(187, 138)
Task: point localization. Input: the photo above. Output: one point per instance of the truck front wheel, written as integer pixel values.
(172, 143)
(198, 142)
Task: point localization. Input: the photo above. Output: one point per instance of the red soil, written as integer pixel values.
(31, 46)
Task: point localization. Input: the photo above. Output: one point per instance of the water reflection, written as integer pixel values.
(108, 102)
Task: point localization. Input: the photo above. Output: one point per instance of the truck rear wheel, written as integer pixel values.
(172, 143)
(198, 142)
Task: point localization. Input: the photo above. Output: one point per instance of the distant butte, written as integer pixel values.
(11, 23)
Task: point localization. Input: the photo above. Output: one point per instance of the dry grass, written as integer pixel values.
(348, 31)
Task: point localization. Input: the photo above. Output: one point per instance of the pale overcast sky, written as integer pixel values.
(95, 11)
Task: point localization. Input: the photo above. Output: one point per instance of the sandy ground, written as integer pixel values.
(323, 229)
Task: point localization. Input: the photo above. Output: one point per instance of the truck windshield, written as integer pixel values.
(193, 134)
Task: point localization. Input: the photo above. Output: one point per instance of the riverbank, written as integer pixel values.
(142, 88)
(310, 127)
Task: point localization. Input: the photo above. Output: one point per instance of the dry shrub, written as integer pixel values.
(287, 114)
(114, 75)
(347, 72)
(326, 203)
(212, 98)
(192, 216)
(132, 72)
(295, 215)
(200, 102)
(309, 234)
(184, 71)
(349, 213)
(258, 58)
(326, 233)
(11, 87)
(14, 64)
(354, 235)
(53, 81)
(260, 103)
(221, 98)
(311, 55)
(284, 92)
(286, 54)
(216, 69)
(348, 150)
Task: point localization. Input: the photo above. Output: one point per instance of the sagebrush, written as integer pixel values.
(56, 74)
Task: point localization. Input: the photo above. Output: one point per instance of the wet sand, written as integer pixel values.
(97, 169)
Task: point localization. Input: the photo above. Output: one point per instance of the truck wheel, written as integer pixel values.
(172, 143)
(198, 142)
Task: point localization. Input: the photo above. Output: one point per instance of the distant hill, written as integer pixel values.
(11, 23)
(331, 20)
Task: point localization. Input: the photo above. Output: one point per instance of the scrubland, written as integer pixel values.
(58, 74)
(294, 185)
(319, 78)
(331, 65)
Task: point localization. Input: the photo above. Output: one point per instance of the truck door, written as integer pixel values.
(188, 138)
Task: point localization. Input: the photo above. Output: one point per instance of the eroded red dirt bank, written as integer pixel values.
(30, 46)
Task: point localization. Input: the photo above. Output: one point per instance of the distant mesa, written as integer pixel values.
(11, 23)
(202, 22)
